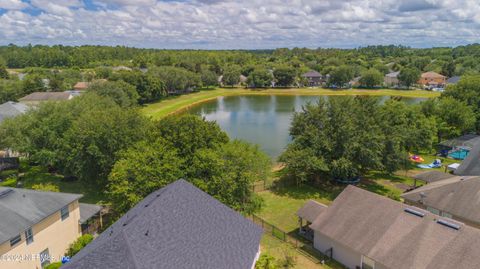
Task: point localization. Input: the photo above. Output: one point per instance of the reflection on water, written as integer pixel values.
(262, 120)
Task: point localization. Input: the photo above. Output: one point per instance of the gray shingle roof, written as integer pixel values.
(46, 96)
(20, 209)
(453, 80)
(178, 226)
(11, 109)
(457, 196)
(379, 228)
(312, 74)
(432, 176)
(471, 165)
(393, 74)
(311, 210)
(87, 211)
(466, 141)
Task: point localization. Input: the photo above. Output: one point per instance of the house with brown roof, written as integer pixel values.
(361, 229)
(432, 79)
(81, 86)
(39, 97)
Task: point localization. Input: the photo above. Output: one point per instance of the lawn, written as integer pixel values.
(178, 103)
(304, 260)
(31, 175)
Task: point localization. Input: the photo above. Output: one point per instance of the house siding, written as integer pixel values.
(51, 233)
(344, 255)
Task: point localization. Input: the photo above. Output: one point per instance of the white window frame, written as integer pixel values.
(45, 258)
(29, 236)
(369, 259)
(64, 212)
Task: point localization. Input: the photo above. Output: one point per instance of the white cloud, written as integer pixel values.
(12, 4)
(245, 24)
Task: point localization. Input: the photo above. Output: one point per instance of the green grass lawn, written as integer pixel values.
(303, 257)
(178, 103)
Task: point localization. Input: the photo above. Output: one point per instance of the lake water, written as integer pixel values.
(262, 120)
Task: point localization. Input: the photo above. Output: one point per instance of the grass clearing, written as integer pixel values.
(178, 103)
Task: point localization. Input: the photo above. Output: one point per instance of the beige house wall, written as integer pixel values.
(51, 233)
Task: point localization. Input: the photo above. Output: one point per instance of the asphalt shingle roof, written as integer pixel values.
(471, 165)
(178, 226)
(381, 229)
(11, 109)
(432, 176)
(312, 74)
(311, 210)
(46, 96)
(20, 209)
(87, 211)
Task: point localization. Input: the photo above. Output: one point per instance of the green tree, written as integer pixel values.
(209, 78)
(259, 78)
(231, 75)
(371, 78)
(409, 76)
(33, 83)
(284, 76)
(80, 243)
(266, 261)
(3, 72)
(340, 76)
(124, 94)
(467, 90)
(448, 69)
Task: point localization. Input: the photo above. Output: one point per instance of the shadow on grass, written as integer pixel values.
(326, 191)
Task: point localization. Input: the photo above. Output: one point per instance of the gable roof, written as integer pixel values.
(46, 96)
(393, 74)
(87, 211)
(20, 209)
(381, 229)
(471, 165)
(432, 74)
(453, 80)
(82, 85)
(467, 141)
(457, 196)
(178, 226)
(312, 74)
(311, 210)
(11, 109)
(432, 176)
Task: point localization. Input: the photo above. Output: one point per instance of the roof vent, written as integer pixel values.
(5, 193)
(415, 212)
(449, 224)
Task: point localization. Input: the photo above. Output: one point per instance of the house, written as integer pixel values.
(391, 79)
(81, 86)
(470, 166)
(453, 80)
(313, 78)
(39, 97)
(432, 80)
(458, 148)
(36, 223)
(361, 229)
(178, 226)
(453, 197)
(11, 109)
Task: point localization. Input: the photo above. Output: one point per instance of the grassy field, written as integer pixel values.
(179, 103)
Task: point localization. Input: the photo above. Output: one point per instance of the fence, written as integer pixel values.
(301, 245)
(261, 186)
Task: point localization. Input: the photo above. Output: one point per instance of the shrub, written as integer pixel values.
(266, 261)
(9, 182)
(80, 243)
(55, 265)
(46, 187)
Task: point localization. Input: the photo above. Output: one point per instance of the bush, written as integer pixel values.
(55, 265)
(46, 187)
(266, 261)
(8, 174)
(9, 182)
(80, 243)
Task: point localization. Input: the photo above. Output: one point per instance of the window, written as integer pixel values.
(367, 263)
(64, 212)
(433, 210)
(15, 240)
(29, 236)
(44, 258)
(446, 215)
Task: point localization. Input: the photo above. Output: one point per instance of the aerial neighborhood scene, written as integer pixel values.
(178, 134)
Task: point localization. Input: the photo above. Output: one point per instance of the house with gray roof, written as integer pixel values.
(470, 166)
(178, 226)
(11, 109)
(391, 79)
(39, 97)
(313, 78)
(37, 223)
(361, 229)
(454, 197)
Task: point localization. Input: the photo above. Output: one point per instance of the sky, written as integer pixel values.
(241, 24)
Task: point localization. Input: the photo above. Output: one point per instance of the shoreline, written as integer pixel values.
(180, 103)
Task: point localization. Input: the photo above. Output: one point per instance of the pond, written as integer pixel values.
(262, 120)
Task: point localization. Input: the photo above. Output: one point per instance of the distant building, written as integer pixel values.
(121, 68)
(178, 226)
(432, 80)
(313, 79)
(81, 86)
(361, 229)
(391, 79)
(36, 223)
(39, 97)
(453, 80)
(11, 109)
